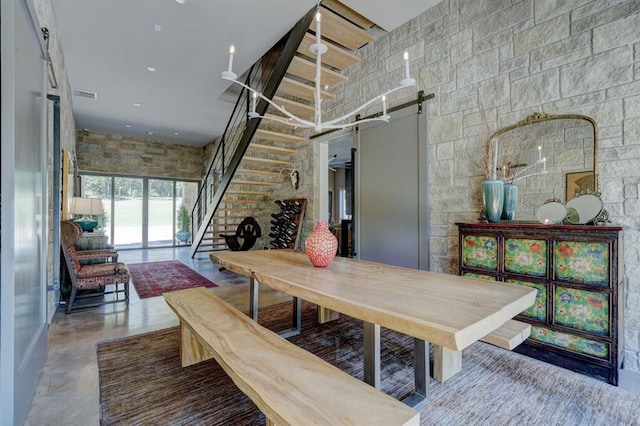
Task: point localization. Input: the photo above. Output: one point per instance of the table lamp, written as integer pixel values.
(86, 207)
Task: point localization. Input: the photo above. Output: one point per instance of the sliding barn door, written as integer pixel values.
(391, 191)
(23, 248)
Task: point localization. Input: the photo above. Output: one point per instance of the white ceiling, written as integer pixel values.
(108, 44)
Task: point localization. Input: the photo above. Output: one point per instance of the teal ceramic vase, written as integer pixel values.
(493, 199)
(510, 201)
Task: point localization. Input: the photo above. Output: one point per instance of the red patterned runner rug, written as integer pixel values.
(154, 278)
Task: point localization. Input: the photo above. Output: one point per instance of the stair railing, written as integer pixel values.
(264, 76)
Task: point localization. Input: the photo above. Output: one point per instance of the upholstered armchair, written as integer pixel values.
(93, 276)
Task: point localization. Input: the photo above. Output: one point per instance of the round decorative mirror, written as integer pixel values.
(547, 157)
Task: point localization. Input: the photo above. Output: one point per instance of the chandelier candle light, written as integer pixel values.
(318, 49)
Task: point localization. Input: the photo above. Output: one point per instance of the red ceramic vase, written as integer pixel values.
(321, 245)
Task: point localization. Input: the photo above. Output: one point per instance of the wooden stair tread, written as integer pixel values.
(296, 108)
(306, 70)
(252, 182)
(243, 201)
(302, 91)
(348, 13)
(335, 56)
(341, 31)
(257, 172)
(278, 136)
(271, 148)
(510, 335)
(234, 209)
(265, 160)
(246, 192)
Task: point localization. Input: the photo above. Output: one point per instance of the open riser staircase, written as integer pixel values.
(256, 154)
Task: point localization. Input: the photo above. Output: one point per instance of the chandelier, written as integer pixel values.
(318, 49)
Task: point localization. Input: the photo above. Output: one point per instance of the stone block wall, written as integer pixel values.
(305, 162)
(100, 152)
(496, 62)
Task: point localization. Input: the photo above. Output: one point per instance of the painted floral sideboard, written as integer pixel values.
(576, 321)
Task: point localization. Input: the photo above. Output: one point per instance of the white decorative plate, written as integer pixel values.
(587, 206)
(551, 213)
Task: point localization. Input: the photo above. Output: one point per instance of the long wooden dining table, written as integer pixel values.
(446, 310)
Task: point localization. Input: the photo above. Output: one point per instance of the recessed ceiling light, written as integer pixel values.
(181, 1)
(151, 69)
(157, 27)
(127, 125)
(176, 133)
(136, 104)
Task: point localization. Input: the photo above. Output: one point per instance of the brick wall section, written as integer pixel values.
(515, 58)
(99, 152)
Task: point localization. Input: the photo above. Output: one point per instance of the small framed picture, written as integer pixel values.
(579, 181)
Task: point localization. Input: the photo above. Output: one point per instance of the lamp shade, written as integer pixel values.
(90, 206)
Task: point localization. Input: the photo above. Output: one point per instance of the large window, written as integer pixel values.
(140, 212)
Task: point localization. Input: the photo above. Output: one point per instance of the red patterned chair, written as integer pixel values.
(96, 276)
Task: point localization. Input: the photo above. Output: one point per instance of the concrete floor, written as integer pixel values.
(67, 392)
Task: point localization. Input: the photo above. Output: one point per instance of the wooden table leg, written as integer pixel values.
(327, 315)
(446, 363)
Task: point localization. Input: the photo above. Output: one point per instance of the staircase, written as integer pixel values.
(249, 179)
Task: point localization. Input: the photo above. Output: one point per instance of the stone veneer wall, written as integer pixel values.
(46, 17)
(515, 58)
(100, 152)
(305, 162)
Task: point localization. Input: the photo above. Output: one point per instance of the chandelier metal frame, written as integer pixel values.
(318, 49)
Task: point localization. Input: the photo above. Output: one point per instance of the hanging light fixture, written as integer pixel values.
(318, 49)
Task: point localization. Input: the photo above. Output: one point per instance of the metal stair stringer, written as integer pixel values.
(293, 41)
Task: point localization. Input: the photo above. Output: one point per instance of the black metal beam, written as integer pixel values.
(290, 44)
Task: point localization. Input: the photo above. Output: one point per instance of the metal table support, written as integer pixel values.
(296, 317)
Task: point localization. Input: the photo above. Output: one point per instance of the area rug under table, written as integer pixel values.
(154, 278)
(142, 381)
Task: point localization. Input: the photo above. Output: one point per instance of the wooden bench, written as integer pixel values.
(447, 362)
(288, 384)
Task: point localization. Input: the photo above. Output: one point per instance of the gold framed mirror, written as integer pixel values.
(548, 157)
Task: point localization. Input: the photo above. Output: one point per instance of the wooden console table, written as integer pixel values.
(578, 280)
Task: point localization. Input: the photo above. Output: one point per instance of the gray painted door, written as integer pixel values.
(391, 191)
(23, 319)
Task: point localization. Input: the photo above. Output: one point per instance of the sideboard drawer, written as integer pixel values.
(582, 310)
(480, 252)
(525, 256)
(582, 262)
